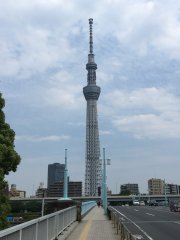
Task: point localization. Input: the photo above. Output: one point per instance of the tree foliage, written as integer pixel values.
(125, 192)
(22, 206)
(9, 160)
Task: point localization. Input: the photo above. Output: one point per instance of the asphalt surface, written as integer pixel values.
(150, 223)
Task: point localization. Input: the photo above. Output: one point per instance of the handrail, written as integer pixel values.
(87, 206)
(47, 227)
(121, 228)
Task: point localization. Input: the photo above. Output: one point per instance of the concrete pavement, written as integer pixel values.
(94, 226)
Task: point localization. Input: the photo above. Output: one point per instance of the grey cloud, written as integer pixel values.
(155, 113)
(42, 138)
(44, 47)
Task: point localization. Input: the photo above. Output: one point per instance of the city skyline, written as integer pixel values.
(43, 53)
(171, 187)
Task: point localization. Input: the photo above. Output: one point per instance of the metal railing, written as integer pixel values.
(44, 228)
(121, 229)
(86, 206)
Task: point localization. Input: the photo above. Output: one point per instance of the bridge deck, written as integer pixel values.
(94, 226)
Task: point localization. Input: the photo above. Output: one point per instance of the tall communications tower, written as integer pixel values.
(91, 94)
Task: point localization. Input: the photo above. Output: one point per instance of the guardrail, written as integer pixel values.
(48, 227)
(44, 228)
(121, 229)
(87, 206)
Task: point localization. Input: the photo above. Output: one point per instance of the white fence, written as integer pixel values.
(120, 227)
(44, 228)
(47, 227)
(86, 206)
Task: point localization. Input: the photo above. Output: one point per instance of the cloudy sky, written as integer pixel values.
(44, 48)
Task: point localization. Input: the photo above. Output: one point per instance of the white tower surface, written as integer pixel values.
(91, 94)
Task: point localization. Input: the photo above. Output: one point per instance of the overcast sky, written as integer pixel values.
(43, 55)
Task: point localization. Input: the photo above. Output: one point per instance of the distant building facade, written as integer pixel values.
(41, 191)
(109, 192)
(74, 189)
(13, 192)
(133, 188)
(172, 189)
(156, 186)
(178, 190)
(55, 173)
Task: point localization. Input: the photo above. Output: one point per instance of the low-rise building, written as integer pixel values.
(172, 189)
(156, 186)
(14, 193)
(41, 192)
(131, 188)
(57, 189)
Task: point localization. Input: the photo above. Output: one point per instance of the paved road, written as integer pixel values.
(94, 226)
(151, 223)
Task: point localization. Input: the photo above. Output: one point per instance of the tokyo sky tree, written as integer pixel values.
(91, 94)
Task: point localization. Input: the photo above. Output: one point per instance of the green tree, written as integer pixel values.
(125, 192)
(9, 160)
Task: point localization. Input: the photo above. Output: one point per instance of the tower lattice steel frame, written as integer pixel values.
(91, 94)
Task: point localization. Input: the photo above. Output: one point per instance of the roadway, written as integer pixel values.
(150, 223)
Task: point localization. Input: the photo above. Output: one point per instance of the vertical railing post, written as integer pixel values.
(20, 234)
(47, 225)
(36, 231)
(42, 210)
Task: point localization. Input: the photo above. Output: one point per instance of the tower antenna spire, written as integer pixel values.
(90, 36)
(91, 94)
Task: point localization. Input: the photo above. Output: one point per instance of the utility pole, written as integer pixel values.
(43, 202)
(104, 183)
(165, 195)
(65, 177)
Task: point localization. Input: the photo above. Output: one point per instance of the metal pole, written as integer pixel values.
(104, 185)
(165, 196)
(42, 209)
(149, 198)
(65, 177)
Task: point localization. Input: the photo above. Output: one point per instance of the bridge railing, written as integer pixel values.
(87, 206)
(121, 229)
(44, 228)
(47, 227)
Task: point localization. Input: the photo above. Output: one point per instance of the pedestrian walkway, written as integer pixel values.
(94, 226)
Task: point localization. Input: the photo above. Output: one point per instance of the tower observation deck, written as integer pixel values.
(91, 94)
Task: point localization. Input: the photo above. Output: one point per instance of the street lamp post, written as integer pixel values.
(104, 184)
(65, 186)
(42, 208)
(165, 195)
(65, 195)
(149, 198)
